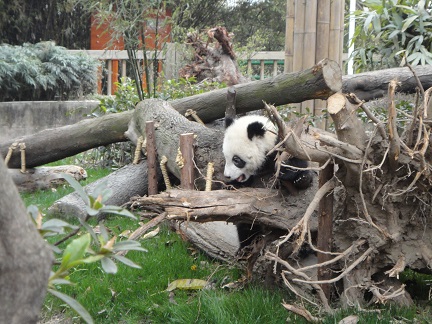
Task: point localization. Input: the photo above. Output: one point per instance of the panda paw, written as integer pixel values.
(303, 180)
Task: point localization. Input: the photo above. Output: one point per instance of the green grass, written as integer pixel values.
(140, 296)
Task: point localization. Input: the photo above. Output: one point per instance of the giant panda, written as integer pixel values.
(247, 140)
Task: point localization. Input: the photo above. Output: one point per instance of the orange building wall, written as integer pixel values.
(100, 39)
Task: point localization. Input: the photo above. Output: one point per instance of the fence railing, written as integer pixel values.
(259, 65)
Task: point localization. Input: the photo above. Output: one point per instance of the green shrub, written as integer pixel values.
(44, 71)
(125, 98)
(185, 87)
(389, 31)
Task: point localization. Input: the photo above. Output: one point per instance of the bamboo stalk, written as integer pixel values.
(336, 25)
(322, 49)
(298, 39)
(323, 30)
(299, 22)
(310, 38)
(289, 36)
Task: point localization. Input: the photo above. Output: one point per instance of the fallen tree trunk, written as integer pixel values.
(373, 85)
(381, 185)
(50, 145)
(25, 258)
(58, 143)
(45, 177)
(251, 205)
(126, 182)
(318, 82)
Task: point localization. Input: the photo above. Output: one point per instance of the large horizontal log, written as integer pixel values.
(58, 143)
(318, 82)
(372, 85)
(250, 205)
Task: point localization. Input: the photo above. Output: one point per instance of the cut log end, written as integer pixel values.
(332, 74)
(335, 103)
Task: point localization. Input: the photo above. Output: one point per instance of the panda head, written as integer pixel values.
(246, 143)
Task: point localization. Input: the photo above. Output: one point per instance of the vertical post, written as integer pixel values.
(187, 175)
(325, 226)
(275, 68)
(151, 158)
(99, 78)
(109, 78)
(351, 31)
(262, 67)
(114, 76)
(249, 67)
(123, 69)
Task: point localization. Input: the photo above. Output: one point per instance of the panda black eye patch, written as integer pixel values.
(238, 162)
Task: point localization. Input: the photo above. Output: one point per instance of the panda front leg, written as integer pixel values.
(299, 179)
(247, 233)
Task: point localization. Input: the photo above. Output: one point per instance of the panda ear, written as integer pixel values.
(228, 121)
(255, 129)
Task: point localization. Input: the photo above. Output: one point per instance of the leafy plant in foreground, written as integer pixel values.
(90, 247)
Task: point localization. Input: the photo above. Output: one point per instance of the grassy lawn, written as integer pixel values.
(140, 296)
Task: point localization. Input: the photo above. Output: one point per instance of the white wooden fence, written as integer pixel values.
(259, 64)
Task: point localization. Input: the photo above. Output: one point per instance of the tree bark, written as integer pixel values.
(373, 85)
(379, 218)
(318, 82)
(58, 143)
(126, 182)
(25, 258)
(45, 177)
(49, 145)
(250, 205)
(170, 125)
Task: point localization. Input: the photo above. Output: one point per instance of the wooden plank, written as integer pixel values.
(325, 226)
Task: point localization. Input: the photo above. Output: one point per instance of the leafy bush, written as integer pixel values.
(389, 31)
(125, 98)
(44, 71)
(184, 87)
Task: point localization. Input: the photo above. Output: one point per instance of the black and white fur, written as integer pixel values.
(246, 143)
